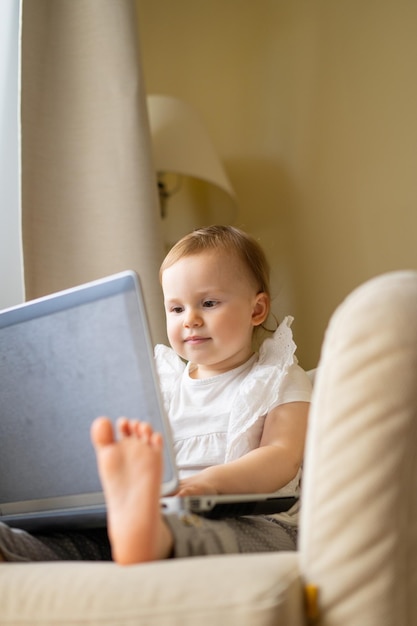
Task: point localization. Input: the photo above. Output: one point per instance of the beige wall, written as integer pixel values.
(312, 106)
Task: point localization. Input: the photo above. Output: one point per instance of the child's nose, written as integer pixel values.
(192, 318)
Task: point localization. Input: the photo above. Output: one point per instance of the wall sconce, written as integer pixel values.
(194, 189)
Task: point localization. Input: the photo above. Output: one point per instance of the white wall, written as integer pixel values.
(11, 273)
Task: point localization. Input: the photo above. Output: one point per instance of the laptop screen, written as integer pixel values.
(65, 360)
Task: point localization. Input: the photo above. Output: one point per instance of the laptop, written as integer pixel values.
(65, 359)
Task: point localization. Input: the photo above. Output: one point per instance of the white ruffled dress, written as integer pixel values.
(219, 419)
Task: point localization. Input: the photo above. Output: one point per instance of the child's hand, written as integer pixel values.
(200, 485)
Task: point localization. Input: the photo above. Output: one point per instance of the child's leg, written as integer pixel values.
(130, 471)
(19, 546)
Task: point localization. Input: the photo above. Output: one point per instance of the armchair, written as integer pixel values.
(357, 557)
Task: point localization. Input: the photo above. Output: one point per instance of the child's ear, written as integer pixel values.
(260, 309)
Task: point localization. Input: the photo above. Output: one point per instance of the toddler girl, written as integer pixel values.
(238, 417)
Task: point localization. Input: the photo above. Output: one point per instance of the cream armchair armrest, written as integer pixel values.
(358, 532)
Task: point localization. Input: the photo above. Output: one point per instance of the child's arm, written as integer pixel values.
(265, 469)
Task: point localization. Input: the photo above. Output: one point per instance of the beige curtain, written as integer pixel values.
(89, 200)
(11, 279)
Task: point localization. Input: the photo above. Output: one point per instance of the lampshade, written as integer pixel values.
(182, 147)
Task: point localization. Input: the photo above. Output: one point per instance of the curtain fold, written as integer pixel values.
(11, 279)
(89, 196)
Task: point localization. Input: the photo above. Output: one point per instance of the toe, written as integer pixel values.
(102, 433)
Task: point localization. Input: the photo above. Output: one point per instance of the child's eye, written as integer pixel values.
(209, 304)
(176, 309)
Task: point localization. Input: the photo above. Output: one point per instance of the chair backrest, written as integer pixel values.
(312, 375)
(358, 527)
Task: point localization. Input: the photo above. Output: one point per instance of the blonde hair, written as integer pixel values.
(231, 240)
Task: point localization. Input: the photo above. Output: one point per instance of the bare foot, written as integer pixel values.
(130, 470)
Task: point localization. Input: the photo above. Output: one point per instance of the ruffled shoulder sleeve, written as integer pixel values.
(169, 368)
(260, 390)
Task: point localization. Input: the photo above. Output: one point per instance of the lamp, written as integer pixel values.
(194, 189)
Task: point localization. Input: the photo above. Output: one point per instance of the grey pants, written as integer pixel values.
(193, 536)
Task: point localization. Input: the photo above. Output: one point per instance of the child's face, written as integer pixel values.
(211, 307)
